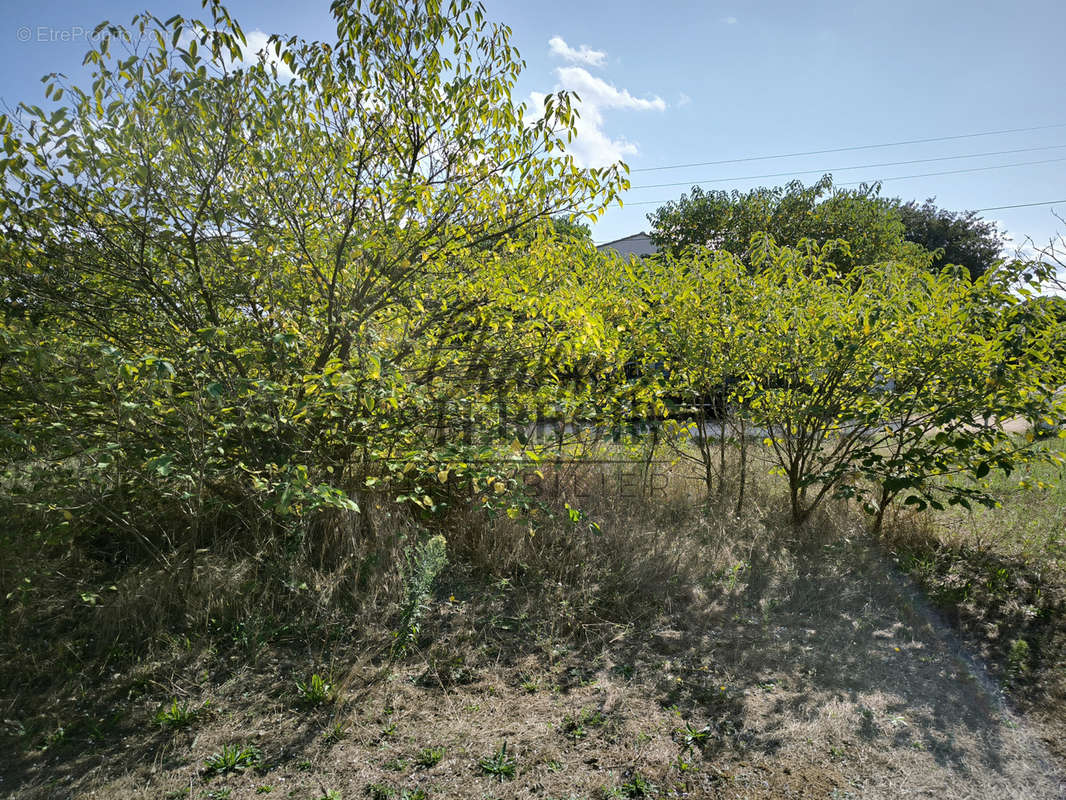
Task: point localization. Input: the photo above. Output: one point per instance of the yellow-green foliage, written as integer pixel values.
(238, 298)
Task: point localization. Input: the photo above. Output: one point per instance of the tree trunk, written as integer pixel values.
(879, 517)
(743, 470)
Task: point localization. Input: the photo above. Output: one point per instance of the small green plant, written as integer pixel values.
(380, 791)
(218, 794)
(690, 736)
(55, 738)
(430, 757)
(414, 794)
(424, 564)
(684, 766)
(500, 764)
(329, 794)
(232, 758)
(264, 789)
(315, 692)
(396, 764)
(1018, 658)
(334, 733)
(179, 715)
(577, 727)
(638, 786)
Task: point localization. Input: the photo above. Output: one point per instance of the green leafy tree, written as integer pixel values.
(695, 337)
(866, 226)
(240, 292)
(961, 238)
(960, 358)
(889, 381)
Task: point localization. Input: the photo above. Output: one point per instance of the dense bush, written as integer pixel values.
(249, 304)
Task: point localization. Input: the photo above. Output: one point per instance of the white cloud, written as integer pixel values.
(596, 91)
(683, 99)
(255, 42)
(258, 41)
(593, 147)
(582, 55)
(729, 20)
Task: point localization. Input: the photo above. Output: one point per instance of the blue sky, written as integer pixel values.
(677, 83)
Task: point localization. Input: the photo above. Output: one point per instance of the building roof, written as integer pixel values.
(637, 244)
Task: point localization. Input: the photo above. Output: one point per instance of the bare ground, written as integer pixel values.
(823, 676)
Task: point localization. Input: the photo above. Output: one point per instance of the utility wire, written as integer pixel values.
(900, 177)
(1020, 205)
(974, 210)
(857, 166)
(851, 149)
(958, 171)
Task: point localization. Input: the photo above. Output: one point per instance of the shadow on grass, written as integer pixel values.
(802, 636)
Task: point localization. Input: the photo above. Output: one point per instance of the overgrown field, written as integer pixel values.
(649, 647)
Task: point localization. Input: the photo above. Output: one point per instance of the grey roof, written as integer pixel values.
(639, 244)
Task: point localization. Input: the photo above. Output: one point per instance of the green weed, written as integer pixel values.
(179, 715)
(500, 764)
(233, 758)
(577, 727)
(425, 563)
(334, 733)
(690, 736)
(1018, 657)
(315, 692)
(429, 757)
(638, 786)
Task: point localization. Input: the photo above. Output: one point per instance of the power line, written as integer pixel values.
(901, 177)
(974, 210)
(960, 171)
(857, 166)
(851, 149)
(1020, 205)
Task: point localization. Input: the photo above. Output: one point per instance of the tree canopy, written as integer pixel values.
(229, 284)
(868, 223)
(874, 228)
(955, 237)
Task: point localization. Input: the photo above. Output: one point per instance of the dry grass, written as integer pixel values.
(646, 648)
(999, 576)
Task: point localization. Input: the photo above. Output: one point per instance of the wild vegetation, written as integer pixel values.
(320, 402)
